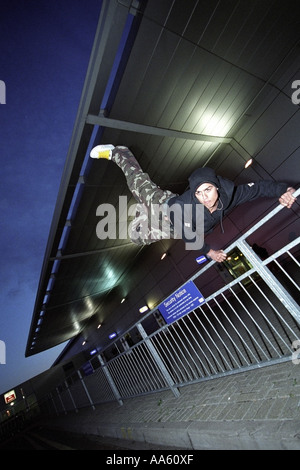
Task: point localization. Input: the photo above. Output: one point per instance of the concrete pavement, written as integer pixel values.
(256, 409)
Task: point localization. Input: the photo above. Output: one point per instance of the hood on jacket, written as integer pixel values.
(203, 175)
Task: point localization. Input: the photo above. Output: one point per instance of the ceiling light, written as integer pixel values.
(248, 162)
(112, 335)
(143, 309)
(163, 256)
(99, 326)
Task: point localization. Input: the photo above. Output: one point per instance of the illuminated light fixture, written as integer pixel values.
(143, 309)
(112, 335)
(248, 162)
(163, 256)
(83, 343)
(93, 351)
(123, 300)
(99, 326)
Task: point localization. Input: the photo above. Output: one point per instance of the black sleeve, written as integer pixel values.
(251, 191)
(205, 249)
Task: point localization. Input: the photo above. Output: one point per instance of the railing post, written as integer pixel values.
(62, 405)
(50, 398)
(158, 361)
(110, 380)
(85, 389)
(284, 297)
(71, 396)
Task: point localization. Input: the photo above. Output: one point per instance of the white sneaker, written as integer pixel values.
(102, 151)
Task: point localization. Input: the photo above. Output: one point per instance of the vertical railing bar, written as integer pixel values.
(248, 331)
(71, 396)
(55, 407)
(139, 357)
(281, 252)
(226, 333)
(293, 257)
(269, 278)
(159, 361)
(175, 334)
(133, 361)
(274, 308)
(126, 373)
(116, 375)
(186, 368)
(150, 366)
(217, 364)
(126, 365)
(220, 338)
(262, 333)
(266, 319)
(233, 326)
(287, 274)
(108, 391)
(212, 341)
(110, 380)
(201, 349)
(172, 368)
(188, 373)
(119, 371)
(85, 389)
(102, 383)
(61, 401)
(187, 350)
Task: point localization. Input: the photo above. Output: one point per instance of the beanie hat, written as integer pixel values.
(203, 175)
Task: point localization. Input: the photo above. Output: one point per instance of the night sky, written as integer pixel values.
(45, 50)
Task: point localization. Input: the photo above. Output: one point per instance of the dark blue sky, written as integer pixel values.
(45, 50)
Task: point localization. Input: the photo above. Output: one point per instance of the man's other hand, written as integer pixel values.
(217, 255)
(287, 199)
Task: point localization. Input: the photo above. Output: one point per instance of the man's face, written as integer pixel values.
(208, 195)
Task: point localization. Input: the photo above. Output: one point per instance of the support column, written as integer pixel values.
(110, 380)
(158, 361)
(85, 389)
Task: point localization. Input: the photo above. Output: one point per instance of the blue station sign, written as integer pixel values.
(181, 302)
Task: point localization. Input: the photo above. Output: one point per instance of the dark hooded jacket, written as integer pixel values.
(230, 196)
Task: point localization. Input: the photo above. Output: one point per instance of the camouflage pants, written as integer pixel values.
(150, 223)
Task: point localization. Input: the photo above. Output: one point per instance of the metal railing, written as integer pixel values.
(251, 321)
